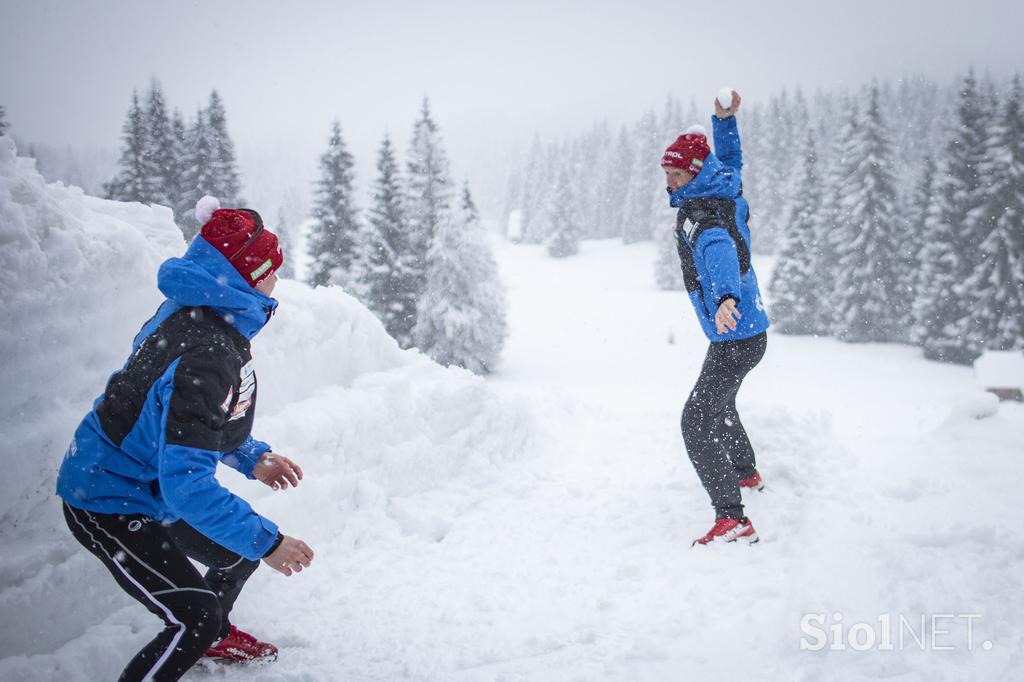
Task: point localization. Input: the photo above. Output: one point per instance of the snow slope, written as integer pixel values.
(445, 554)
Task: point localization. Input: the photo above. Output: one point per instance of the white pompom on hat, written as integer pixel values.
(205, 208)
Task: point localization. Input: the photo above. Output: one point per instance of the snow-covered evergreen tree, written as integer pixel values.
(796, 301)
(565, 238)
(130, 182)
(646, 182)
(391, 276)
(993, 292)
(335, 240)
(228, 187)
(179, 174)
(955, 229)
(4, 125)
(668, 275)
(429, 195)
(461, 313)
(198, 178)
(158, 150)
(865, 301)
(284, 231)
(618, 183)
(912, 248)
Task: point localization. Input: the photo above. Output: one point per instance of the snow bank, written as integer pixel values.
(78, 278)
(368, 422)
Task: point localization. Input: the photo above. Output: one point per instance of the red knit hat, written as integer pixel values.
(239, 235)
(688, 152)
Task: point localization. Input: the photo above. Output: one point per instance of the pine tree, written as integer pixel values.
(130, 182)
(228, 187)
(565, 239)
(668, 276)
(461, 314)
(865, 303)
(535, 194)
(954, 230)
(795, 293)
(283, 229)
(179, 173)
(391, 277)
(198, 176)
(646, 182)
(335, 241)
(428, 199)
(913, 281)
(158, 150)
(994, 291)
(619, 182)
(4, 125)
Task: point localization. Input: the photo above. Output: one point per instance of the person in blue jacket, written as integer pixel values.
(137, 481)
(713, 240)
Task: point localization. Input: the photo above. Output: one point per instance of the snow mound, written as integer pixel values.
(78, 276)
(975, 405)
(369, 423)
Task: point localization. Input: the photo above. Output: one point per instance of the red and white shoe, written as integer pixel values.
(241, 646)
(752, 483)
(729, 530)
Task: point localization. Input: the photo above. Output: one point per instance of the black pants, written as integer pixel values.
(715, 439)
(150, 561)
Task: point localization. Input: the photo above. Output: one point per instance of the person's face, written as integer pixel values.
(266, 287)
(676, 177)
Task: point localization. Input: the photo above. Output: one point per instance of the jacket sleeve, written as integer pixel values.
(243, 459)
(727, 142)
(723, 264)
(194, 418)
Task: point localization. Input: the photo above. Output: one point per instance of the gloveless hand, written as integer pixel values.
(724, 319)
(277, 471)
(292, 555)
(722, 112)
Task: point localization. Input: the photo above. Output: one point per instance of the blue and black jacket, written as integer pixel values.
(183, 402)
(713, 239)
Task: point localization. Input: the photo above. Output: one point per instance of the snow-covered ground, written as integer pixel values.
(537, 526)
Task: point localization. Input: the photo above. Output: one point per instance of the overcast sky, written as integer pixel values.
(495, 72)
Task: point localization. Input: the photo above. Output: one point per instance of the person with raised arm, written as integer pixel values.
(713, 241)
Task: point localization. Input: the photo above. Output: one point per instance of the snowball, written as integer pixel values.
(725, 97)
(205, 208)
(976, 405)
(696, 129)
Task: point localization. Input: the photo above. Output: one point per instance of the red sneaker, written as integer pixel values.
(729, 530)
(754, 482)
(241, 646)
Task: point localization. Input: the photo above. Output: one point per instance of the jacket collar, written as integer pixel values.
(714, 180)
(204, 277)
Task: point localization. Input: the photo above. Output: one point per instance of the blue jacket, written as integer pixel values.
(183, 402)
(714, 241)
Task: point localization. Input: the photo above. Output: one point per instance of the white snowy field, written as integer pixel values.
(536, 526)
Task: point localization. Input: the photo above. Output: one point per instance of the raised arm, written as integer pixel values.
(727, 134)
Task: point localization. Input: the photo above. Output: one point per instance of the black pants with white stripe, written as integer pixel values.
(150, 561)
(714, 435)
